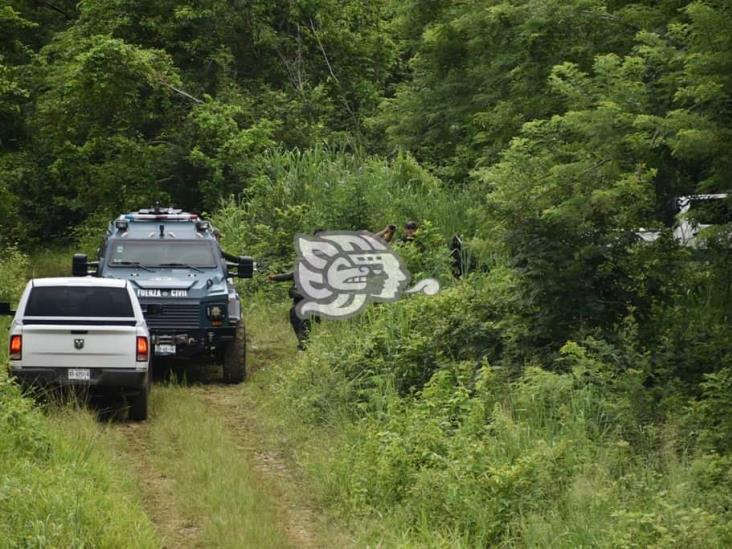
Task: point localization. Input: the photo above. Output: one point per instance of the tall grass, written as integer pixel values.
(476, 455)
(50, 262)
(320, 188)
(61, 484)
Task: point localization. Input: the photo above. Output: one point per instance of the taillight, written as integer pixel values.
(16, 347)
(142, 349)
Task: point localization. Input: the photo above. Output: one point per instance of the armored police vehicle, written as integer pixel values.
(183, 281)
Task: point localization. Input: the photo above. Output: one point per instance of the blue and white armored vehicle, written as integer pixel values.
(183, 281)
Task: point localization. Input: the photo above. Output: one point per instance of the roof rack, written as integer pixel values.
(158, 210)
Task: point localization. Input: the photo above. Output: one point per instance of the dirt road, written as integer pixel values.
(180, 468)
(208, 476)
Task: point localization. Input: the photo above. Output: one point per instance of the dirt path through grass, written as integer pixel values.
(202, 465)
(206, 476)
(238, 414)
(157, 490)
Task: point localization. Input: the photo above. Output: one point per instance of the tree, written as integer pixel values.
(567, 194)
(95, 131)
(479, 70)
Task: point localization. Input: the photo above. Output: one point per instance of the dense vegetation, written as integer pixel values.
(63, 490)
(576, 387)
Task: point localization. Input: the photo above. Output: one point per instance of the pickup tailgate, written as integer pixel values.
(79, 346)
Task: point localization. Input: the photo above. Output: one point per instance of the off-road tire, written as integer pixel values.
(235, 357)
(139, 403)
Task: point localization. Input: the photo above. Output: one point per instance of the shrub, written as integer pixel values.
(13, 269)
(299, 192)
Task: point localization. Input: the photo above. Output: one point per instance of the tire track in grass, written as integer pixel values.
(208, 473)
(234, 492)
(157, 491)
(199, 487)
(231, 404)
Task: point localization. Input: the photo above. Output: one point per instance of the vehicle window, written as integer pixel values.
(710, 212)
(154, 254)
(79, 301)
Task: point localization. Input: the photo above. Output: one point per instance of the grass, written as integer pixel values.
(61, 484)
(546, 460)
(214, 486)
(207, 441)
(270, 338)
(50, 262)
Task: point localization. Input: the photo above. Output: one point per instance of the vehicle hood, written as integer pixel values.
(174, 283)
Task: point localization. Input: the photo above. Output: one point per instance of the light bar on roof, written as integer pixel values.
(162, 217)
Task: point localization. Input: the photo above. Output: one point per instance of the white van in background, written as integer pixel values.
(82, 332)
(692, 215)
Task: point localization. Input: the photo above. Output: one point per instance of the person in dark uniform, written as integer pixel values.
(410, 229)
(457, 257)
(300, 326)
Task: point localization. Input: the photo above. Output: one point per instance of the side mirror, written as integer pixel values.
(5, 310)
(153, 309)
(80, 265)
(245, 267)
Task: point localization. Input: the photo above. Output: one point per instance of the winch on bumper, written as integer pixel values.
(190, 343)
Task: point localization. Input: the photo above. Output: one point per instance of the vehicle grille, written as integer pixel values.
(175, 316)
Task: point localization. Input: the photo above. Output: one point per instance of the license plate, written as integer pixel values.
(79, 374)
(162, 349)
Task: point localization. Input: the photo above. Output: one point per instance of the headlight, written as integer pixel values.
(216, 313)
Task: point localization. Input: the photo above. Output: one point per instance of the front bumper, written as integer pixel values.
(125, 380)
(192, 342)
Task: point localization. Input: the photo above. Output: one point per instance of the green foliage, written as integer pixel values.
(113, 105)
(90, 139)
(23, 436)
(471, 454)
(299, 192)
(13, 269)
(713, 412)
(315, 65)
(574, 388)
(222, 152)
(479, 72)
(60, 487)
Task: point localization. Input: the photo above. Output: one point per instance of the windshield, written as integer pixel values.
(82, 301)
(160, 254)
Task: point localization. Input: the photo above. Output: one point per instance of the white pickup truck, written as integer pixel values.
(82, 331)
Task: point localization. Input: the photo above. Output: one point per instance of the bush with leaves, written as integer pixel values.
(13, 272)
(334, 189)
(474, 454)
